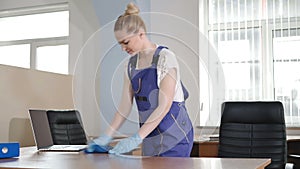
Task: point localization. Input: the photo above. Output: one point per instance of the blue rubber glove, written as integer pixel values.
(99, 145)
(102, 140)
(127, 145)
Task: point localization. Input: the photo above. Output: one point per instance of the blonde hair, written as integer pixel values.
(130, 21)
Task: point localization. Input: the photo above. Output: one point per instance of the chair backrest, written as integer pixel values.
(66, 127)
(254, 130)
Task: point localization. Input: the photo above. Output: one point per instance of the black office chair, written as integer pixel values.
(254, 130)
(66, 127)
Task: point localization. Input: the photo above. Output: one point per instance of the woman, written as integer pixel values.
(153, 79)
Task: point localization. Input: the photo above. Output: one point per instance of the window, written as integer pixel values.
(287, 75)
(35, 26)
(35, 38)
(241, 68)
(47, 56)
(15, 55)
(256, 42)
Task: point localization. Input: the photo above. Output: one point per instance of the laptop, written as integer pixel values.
(42, 134)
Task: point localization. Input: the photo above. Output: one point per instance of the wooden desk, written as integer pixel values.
(30, 158)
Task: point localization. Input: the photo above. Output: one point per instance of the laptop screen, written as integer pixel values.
(40, 128)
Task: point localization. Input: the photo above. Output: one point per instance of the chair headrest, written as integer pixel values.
(63, 116)
(266, 112)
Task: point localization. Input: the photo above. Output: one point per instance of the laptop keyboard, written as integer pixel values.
(66, 147)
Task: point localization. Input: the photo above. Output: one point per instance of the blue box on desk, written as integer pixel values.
(8, 150)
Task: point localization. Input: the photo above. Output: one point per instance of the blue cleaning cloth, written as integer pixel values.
(95, 148)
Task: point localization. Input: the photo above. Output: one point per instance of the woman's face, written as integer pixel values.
(131, 43)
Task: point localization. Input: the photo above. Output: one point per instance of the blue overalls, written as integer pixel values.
(173, 137)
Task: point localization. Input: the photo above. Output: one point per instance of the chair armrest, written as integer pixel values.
(294, 155)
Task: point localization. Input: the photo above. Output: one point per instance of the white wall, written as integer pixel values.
(109, 75)
(83, 61)
(22, 89)
(175, 23)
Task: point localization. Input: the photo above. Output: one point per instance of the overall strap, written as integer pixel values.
(131, 65)
(156, 55)
(155, 61)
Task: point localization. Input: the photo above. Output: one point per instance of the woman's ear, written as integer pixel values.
(141, 33)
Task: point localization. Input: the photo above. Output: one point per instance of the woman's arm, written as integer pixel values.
(165, 99)
(124, 108)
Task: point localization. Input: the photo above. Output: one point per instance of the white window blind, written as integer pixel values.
(256, 42)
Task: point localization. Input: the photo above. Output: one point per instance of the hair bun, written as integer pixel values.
(132, 9)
